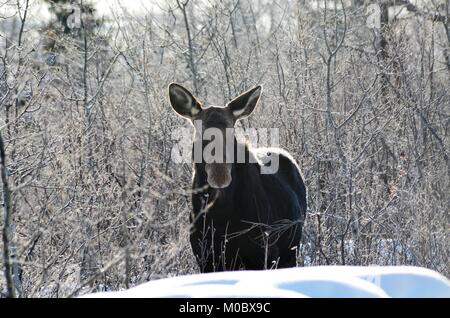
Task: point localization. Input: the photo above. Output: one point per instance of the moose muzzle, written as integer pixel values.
(219, 174)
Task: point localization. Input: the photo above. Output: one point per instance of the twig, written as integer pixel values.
(7, 224)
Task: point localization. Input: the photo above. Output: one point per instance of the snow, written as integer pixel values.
(319, 281)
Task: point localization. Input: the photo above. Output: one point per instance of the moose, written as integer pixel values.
(242, 218)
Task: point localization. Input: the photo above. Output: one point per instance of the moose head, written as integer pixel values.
(214, 126)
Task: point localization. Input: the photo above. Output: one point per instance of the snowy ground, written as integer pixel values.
(321, 281)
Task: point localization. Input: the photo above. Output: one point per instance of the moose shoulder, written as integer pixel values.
(243, 217)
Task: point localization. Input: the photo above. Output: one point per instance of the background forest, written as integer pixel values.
(92, 201)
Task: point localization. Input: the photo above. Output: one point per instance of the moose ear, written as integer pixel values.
(243, 105)
(183, 102)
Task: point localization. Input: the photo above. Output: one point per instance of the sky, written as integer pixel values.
(104, 7)
(135, 6)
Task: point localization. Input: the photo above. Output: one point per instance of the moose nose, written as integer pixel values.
(219, 175)
(214, 185)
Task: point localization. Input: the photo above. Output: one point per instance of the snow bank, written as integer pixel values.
(320, 281)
